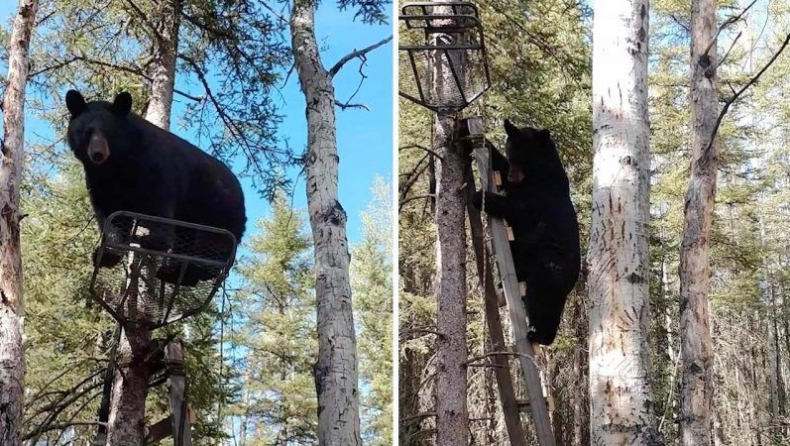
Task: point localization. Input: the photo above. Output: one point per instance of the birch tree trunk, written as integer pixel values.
(12, 359)
(126, 424)
(696, 344)
(336, 375)
(451, 355)
(621, 399)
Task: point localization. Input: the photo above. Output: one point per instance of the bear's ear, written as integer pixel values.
(511, 130)
(122, 104)
(75, 102)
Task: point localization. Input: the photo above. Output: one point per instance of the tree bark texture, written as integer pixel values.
(621, 399)
(163, 68)
(126, 424)
(336, 373)
(451, 349)
(696, 344)
(12, 359)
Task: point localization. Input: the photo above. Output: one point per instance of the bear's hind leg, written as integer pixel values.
(544, 308)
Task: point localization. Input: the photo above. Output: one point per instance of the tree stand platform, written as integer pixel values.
(173, 270)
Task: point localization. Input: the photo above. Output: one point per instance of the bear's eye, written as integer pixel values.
(86, 134)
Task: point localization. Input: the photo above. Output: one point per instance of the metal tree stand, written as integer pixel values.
(469, 68)
(177, 283)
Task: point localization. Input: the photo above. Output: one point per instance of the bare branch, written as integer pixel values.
(274, 12)
(403, 203)
(145, 19)
(734, 41)
(681, 24)
(346, 105)
(339, 65)
(728, 22)
(57, 427)
(738, 93)
(417, 146)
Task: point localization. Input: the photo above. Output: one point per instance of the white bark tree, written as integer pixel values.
(336, 370)
(12, 360)
(696, 343)
(621, 399)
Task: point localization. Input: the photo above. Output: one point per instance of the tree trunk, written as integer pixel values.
(696, 344)
(336, 369)
(621, 398)
(163, 68)
(12, 358)
(451, 354)
(126, 424)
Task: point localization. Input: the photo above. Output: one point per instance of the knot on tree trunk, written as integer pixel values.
(334, 215)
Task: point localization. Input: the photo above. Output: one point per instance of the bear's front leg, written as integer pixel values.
(495, 205)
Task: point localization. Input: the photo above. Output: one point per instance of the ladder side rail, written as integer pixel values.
(500, 362)
(517, 312)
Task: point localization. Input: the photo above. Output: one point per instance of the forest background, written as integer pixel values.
(541, 76)
(249, 358)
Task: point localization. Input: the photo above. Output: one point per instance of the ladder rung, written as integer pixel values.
(523, 404)
(510, 236)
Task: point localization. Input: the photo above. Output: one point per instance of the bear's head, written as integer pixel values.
(98, 130)
(531, 153)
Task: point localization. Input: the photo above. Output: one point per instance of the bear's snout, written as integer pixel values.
(98, 149)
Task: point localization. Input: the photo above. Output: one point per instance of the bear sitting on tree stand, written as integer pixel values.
(178, 215)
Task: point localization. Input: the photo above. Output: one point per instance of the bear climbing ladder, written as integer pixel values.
(474, 133)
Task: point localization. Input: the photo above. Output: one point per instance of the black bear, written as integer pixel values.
(133, 165)
(538, 208)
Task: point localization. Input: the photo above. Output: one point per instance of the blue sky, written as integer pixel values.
(364, 137)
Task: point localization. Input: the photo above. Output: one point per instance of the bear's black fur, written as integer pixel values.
(538, 208)
(133, 165)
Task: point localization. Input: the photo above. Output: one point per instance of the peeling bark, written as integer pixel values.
(12, 359)
(336, 372)
(621, 398)
(696, 344)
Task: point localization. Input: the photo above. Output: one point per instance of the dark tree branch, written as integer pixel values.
(146, 20)
(55, 427)
(417, 146)
(346, 105)
(734, 41)
(361, 53)
(728, 22)
(738, 93)
(681, 24)
(413, 176)
(403, 203)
